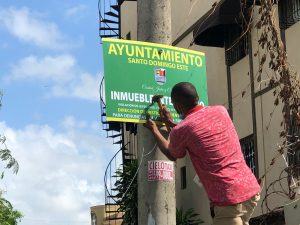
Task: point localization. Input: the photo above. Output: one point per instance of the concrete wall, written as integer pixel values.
(269, 118)
(241, 104)
(194, 196)
(129, 19)
(215, 70)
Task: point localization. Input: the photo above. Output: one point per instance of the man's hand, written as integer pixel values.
(151, 125)
(162, 142)
(166, 117)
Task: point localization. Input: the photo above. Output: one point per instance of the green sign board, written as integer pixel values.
(135, 71)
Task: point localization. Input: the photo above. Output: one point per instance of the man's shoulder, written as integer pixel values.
(216, 109)
(182, 126)
(209, 110)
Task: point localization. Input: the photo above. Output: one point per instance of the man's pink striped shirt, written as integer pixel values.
(209, 136)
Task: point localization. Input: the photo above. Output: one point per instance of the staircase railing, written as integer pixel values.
(113, 215)
(109, 27)
(109, 18)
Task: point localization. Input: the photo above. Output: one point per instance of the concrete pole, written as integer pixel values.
(156, 199)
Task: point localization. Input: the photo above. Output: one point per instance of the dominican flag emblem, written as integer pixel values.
(160, 76)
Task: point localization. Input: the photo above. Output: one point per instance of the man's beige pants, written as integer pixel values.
(238, 214)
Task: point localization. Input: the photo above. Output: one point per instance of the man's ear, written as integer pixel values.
(180, 109)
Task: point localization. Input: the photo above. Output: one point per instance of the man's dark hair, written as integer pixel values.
(185, 93)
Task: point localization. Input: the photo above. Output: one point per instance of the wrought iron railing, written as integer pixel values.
(294, 147)
(236, 46)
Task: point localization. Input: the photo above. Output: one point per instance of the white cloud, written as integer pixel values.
(61, 173)
(29, 26)
(76, 12)
(84, 86)
(63, 76)
(57, 68)
(70, 123)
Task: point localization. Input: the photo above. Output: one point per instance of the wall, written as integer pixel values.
(269, 118)
(129, 19)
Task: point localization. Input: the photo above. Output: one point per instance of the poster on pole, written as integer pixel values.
(160, 170)
(135, 71)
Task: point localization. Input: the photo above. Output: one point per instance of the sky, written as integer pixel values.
(50, 72)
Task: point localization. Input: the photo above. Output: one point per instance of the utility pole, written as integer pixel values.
(156, 199)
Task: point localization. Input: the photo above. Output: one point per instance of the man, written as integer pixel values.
(209, 136)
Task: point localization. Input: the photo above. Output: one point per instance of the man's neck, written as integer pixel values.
(192, 110)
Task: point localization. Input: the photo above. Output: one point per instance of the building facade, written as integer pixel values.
(99, 216)
(233, 64)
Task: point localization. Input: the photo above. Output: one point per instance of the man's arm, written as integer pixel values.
(162, 143)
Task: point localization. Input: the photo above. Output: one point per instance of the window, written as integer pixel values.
(289, 13)
(93, 218)
(183, 177)
(236, 47)
(247, 145)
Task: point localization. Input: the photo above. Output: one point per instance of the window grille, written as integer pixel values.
(289, 13)
(236, 47)
(247, 145)
(294, 150)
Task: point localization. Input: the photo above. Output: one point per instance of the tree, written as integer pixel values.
(8, 215)
(126, 198)
(188, 217)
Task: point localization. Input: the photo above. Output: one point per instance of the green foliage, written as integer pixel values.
(8, 215)
(189, 217)
(6, 157)
(127, 198)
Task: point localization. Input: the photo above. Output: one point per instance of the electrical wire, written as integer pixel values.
(139, 166)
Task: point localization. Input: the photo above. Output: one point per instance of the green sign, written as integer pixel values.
(135, 71)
